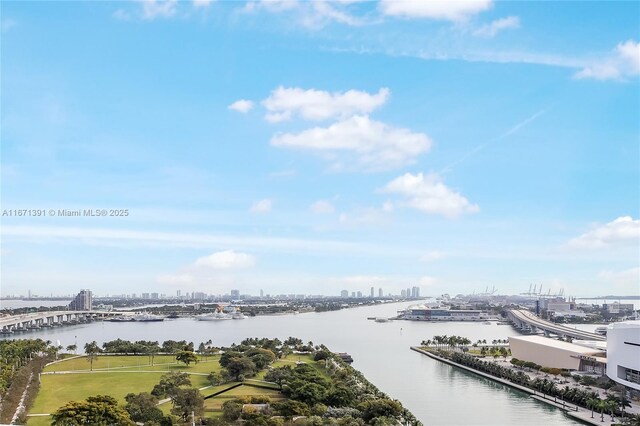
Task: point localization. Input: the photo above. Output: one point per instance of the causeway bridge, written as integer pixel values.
(527, 321)
(38, 320)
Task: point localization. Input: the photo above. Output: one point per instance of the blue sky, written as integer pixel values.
(310, 147)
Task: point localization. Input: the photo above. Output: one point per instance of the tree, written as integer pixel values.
(92, 350)
(289, 408)
(100, 410)
(340, 396)
(380, 408)
(593, 404)
(186, 357)
(187, 401)
(240, 367)
(261, 357)
(279, 375)
(215, 379)
(309, 393)
(72, 348)
(231, 410)
(142, 407)
(169, 383)
(172, 346)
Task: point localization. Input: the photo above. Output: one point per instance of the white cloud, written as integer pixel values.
(227, 259)
(179, 279)
(623, 230)
(284, 103)
(322, 207)
(430, 195)
(271, 5)
(426, 281)
(242, 106)
(323, 12)
(262, 206)
(491, 29)
(152, 9)
(623, 62)
(448, 10)
(359, 143)
(628, 279)
(202, 3)
(313, 15)
(365, 217)
(432, 256)
(122, 15)
(113, 237)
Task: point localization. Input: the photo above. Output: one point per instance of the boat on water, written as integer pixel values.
(381, 319)
(122, 318)
(214, 316)
(220, 314)
(238, 315)
(146, 317)
(602, 331)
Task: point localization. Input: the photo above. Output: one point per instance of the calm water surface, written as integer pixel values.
(436, 393)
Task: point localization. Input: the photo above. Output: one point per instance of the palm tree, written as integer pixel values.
(92, 350)
(592, 403)
(602, 406)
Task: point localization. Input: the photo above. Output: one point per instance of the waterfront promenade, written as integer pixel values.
(580, 413)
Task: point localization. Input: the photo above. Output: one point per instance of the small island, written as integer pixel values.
(258, 381)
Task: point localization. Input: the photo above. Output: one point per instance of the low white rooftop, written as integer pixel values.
(558, 344)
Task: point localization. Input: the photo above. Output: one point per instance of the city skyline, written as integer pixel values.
(313, 147)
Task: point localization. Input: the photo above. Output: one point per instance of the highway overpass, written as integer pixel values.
(527, 321)
(15, 323)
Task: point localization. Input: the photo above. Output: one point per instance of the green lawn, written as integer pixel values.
(57, 389)
(109, 361)
(291, 360)
(120, 375)
(216, 402)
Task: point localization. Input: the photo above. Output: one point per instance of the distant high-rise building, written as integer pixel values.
(408, 292)
(261, 293)
(372, 292)
(380, 293)
(403, 293)
(359, 295)
(344, 294)
(154, 295)
(353, 294)
(82, 302)
(178, 293)
(415, 292)
(235, 294)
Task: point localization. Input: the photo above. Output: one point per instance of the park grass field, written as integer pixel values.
(119, 375)
(109, 361)
(113, 375)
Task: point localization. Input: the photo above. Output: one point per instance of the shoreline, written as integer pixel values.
(576, 412)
